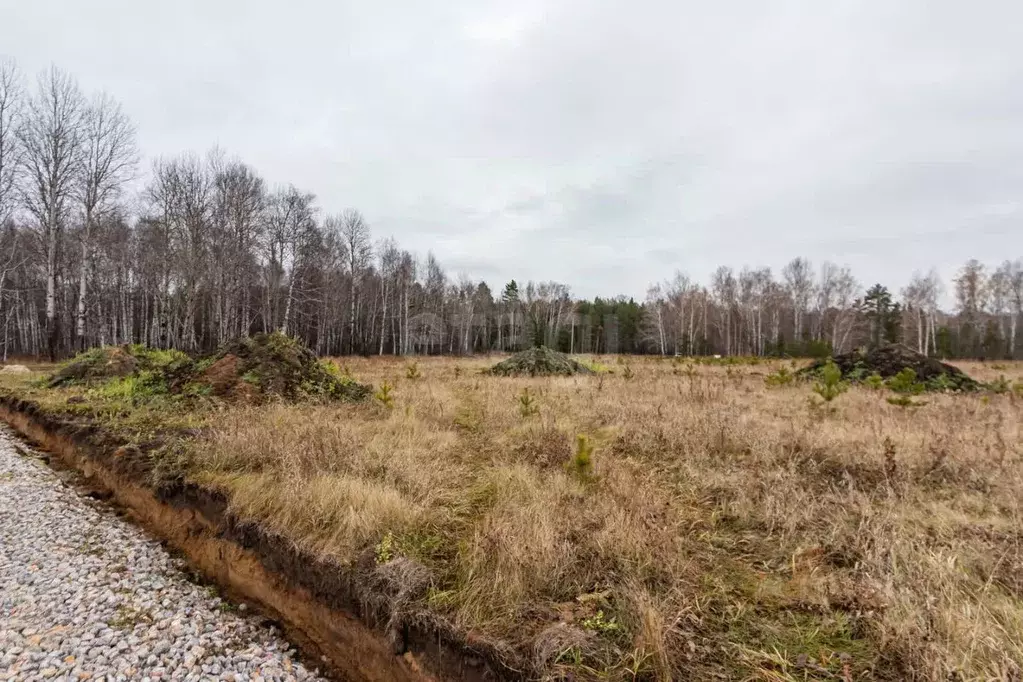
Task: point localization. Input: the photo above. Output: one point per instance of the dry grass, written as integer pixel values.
(726, 529)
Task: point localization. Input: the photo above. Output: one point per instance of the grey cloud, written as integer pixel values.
(601, 144)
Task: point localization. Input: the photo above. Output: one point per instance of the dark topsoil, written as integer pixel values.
(539, 362)
(261, 367)
(272, 365)
(888, 360)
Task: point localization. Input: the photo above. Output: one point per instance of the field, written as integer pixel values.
(661, 519)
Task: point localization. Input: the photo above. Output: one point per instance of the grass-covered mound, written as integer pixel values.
(267, 366)
(890, 360)
(110, 362)
(254, 369)
(539, 362)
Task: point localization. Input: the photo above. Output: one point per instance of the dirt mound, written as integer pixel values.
(14, 369)
(271, 366)
(262, 367)
(888, 360)
(539, 362)
(100, 364)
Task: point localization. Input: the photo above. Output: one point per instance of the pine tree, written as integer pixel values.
(510, 299)
(882, 315)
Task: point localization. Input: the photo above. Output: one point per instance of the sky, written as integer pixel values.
(600, 144)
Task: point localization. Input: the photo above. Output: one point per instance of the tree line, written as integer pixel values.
(206, 250)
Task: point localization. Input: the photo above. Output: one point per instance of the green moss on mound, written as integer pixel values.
(257, 368)
(889, 360)
(541, 362)
(100, 364)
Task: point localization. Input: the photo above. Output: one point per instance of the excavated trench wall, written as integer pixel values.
(316, 604)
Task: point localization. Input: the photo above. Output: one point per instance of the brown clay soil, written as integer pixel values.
(342, 623)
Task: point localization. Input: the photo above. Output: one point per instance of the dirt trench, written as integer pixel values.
(319, 612)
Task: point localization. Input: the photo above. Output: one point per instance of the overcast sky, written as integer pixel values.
(603, 144)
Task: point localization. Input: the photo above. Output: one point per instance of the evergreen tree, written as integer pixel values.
(882, 315)
(510, 299)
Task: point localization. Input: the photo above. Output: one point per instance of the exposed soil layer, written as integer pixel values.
(253, 369)
(271, 366)
(539, 362)
(890, 359)
(324, 607)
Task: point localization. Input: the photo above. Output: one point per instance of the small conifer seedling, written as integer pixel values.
(830, 385)
(527, 404)
(383, 395)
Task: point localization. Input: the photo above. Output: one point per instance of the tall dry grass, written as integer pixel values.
(727, 528)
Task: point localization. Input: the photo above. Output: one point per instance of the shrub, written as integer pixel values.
(942, 382)
(602, 625)
(830, 385)
(627, 373)
(874, 382)
(783, 377)
(857, 373)
(412, 371)
(385, 548)
(999, 385)
(905, 382)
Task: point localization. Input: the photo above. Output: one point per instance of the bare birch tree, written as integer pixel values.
(921, 299)
(11, 95)
(1015, 276)
(1007, 300)
(51, 137)
(356, 238)
(109, 159)
(390, 258)
(845, 291)
(798, 276)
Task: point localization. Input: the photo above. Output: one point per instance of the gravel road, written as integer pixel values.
(85, 595)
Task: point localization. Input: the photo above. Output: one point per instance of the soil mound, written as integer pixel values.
(272, 366)
(100, 364)
(890, 359)
(539, 362)
(265, 366)
(14, 369)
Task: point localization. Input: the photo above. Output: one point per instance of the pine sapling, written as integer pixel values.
(527, 404)
(412, 371)
(581, 464)
(830, 385)
(783, 377)
(874, 382)
(999, 385)
(383, 395)
(905, 382)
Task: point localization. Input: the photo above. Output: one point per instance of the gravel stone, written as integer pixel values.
(88, 596)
